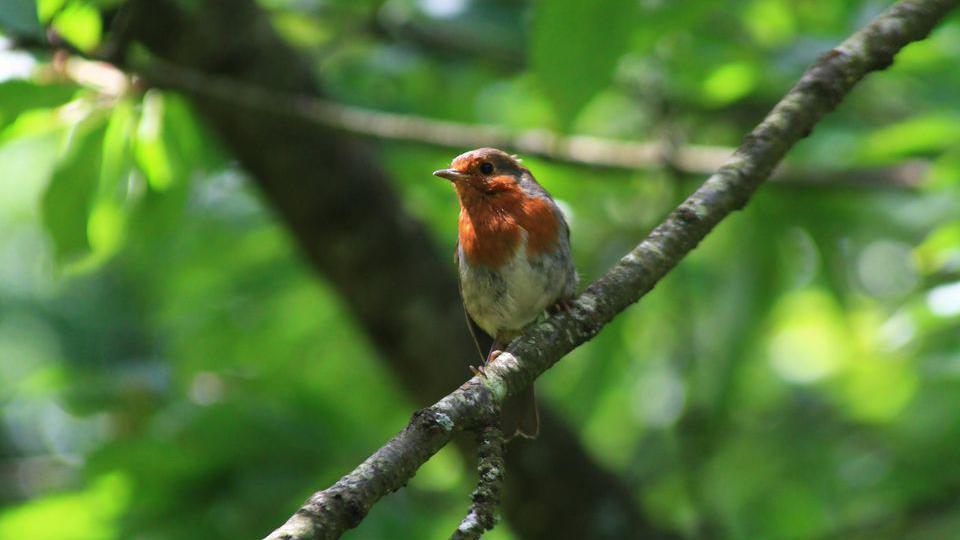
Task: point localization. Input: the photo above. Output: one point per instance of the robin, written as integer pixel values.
(513, 258)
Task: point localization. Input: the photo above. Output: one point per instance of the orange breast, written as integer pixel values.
(491, 226)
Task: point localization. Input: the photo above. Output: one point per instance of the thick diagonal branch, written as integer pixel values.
(329, 512)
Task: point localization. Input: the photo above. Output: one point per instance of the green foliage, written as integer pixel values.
(19, 96)
(918, 136)
(69, 198)
(20, 17)
(46, 9)
(574, 47)
(729, 83)
(171, 367)
(79, 23)
(91, 514)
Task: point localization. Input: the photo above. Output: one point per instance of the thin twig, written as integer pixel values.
(490, 470)
(581, 150)
(584, 150)
(328, 513)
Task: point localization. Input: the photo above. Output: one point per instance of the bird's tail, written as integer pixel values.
(520, 416)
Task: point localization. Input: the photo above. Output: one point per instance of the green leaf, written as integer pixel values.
(106, 228)
(940, 250)
(80, 24)
(19, 18)
(31, 123)
(170, 143)
(117, 149)
(922, 135)
(729, 83)
(151, 153)
(575, 47)
(771, 22)
(46, 9)
(91, 513)
(17, 96)
(67, 202)
(106, 225)
(193, 147)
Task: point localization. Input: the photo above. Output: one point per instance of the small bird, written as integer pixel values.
(513, 258)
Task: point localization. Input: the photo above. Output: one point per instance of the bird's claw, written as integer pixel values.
(562, 305)
(478, 371)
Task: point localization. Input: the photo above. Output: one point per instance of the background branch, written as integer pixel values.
(576, 149)
(585, 150)
(328, 513)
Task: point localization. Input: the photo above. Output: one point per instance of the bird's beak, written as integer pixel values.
(450, 174)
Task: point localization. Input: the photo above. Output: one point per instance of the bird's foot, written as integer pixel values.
(562, 305)
(478, 371)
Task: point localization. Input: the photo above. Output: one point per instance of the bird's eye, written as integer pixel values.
(486, 167)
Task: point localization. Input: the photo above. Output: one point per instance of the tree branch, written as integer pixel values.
(582, 150)
(328, 513)
(490, 470)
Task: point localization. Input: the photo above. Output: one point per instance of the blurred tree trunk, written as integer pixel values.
(352, 227)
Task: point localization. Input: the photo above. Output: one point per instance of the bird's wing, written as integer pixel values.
(481, 339)
(563, 223)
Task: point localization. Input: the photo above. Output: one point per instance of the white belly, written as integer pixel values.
(504, 301)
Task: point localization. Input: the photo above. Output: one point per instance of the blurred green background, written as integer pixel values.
(171, 366)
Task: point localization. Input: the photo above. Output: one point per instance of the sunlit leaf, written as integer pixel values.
(940, 251)
(945, 171)
(107, 220)
(152, 155)
(106, 228)
(80, 24)
(17, 96)
(771, 22)
(31, 123)
(117, 149)
(876, 389)
(575, 47)
(808, 342)
(916, 136)
(46, 9)
(90, 514)
(729, 83)
(939, 50)
(170, 144)
(67, 201)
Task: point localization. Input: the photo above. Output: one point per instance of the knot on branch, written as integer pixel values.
(432, 421)
(351, 511)
(829, 81)
(686, 213)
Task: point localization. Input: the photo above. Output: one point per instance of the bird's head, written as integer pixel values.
(500, 202)
(483, 174)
